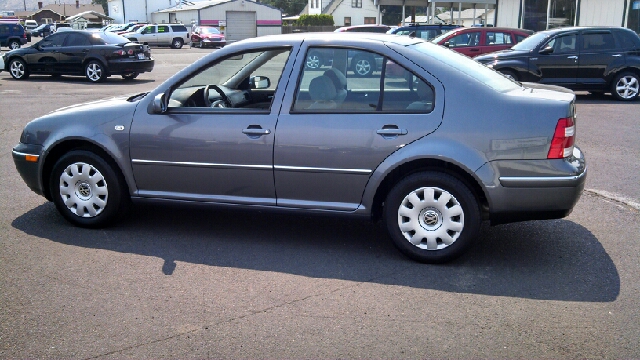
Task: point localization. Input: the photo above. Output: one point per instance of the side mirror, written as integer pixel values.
(158, 106)
(547, 50)
(448, 44)
(259, 82)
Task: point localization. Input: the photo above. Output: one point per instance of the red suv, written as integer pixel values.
(477, 41)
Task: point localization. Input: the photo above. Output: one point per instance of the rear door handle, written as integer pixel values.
(391, 131)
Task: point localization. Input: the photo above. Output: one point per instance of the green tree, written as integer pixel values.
(103, 3)
(288, 7)
(315, 20)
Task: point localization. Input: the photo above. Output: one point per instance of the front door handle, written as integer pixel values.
(256, 131)
(572, 57)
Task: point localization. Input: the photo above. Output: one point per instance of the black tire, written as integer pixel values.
(87, 191)
(130, 76)
(14, 44)
(18, 69)
(95, 71)
(177, 43)
(510, 74)
(456, 221)
(363, 66)
(626, 86)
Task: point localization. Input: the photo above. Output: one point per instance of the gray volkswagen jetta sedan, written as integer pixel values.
(432, 151)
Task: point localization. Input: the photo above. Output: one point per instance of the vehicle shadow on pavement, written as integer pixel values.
(545, 260)
(80, 80)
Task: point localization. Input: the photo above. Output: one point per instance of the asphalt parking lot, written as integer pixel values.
(198, 283)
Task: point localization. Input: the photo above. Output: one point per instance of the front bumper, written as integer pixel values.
(27, 159)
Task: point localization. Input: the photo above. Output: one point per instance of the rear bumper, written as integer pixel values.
(551, 192)
(126, 66)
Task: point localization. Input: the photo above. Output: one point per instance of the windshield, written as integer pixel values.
(467, 66)
(109, 38)
(531, 42)
(437, 39)
(208, 30)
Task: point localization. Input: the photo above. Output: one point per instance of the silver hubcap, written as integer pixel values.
(430, 218)
(94, 72)
(83, 190)
(17, 69)
(14, 45)
(363, 67)
(313, 62)
(627, 87)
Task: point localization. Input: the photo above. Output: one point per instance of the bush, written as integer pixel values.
(315, 20)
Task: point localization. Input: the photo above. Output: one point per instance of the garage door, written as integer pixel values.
(240, 25)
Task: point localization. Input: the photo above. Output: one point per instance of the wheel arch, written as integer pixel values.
(631, 69)
(422, 165)
(61, 148)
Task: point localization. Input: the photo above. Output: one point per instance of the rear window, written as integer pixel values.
(467, 66)
(179, 28)
(628, 39)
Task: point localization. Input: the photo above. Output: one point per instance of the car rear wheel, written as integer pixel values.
(18, 69)
(130, 76)
(314, 61)
(362, 66)
(432, 217)
(86, 190)
(95, 71)
(626, 86)
(177, 43)
(14, 44)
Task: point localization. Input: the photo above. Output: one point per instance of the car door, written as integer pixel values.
(598, 56)
(205, 152)
(336, 128)
(149, 35)
(73, 52)
(46, 58)
(496, 40)
(468, 43)
(163, 36)
(557, 60)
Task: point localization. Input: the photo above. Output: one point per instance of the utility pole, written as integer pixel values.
(24, 2)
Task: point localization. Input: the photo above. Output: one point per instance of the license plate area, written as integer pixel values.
(140, 56)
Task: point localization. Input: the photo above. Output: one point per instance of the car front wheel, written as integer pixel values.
(86, 190)
(18, 69)
(626, 86)
(432, 217)
(95, 71)
(130, 76)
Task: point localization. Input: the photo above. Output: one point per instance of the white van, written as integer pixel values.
(30, 24)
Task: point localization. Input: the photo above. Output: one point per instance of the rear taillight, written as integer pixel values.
(123, 53)
(563, 139)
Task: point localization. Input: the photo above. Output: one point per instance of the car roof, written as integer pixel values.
(328, 36)
(491, 28)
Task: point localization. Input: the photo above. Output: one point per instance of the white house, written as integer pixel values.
(237, 19)
(345, 12)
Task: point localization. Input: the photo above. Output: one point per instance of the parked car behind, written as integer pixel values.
(423, 31)
(364, 28)
(413, 154)
(43, 30)
(207, 36)
(12, 36)
(174, 35)
(481, 40)
(96, 55)
(595, 59)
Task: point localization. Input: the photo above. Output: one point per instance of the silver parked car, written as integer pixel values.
(431, 152)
